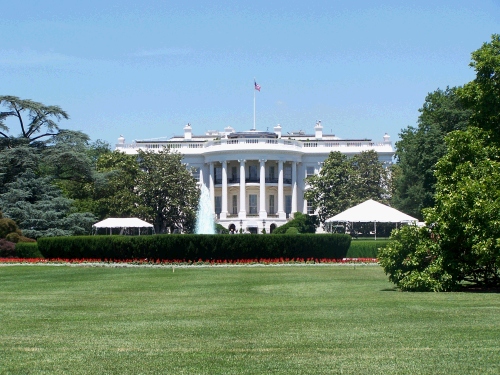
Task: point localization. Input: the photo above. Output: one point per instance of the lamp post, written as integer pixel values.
(241, 226)
(264, 224)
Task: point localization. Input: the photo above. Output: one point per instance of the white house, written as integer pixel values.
(256, 179)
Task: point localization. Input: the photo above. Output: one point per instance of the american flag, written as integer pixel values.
(257, 86)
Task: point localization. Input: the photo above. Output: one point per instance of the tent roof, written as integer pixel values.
(130, 222)
(371, 211)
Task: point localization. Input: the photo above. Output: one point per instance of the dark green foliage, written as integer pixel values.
(219, 229)
(414, 262)
(168, 192)
(365, 248)
(419, 149)
(35, 120)
(462, 245)
(303, 224)
(8, 226)
(195, 247)
(27, 250)
(345, 182)
(39, 208)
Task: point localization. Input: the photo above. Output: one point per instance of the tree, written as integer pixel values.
(482, 95)
(168, 190)
(344, 182)
(39, 120)
(462, 241)
(301, 223)
(40, 209)
(419, 149)
(115, 195)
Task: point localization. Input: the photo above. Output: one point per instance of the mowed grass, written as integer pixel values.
(250, 320)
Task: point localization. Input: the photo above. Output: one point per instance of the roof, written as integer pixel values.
(130, 222)
(372, 211)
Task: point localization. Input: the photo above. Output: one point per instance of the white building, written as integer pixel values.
(257, 179)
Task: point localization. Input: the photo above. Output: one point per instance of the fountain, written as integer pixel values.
(205, 214)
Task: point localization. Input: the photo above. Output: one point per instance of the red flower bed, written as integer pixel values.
(173, 262)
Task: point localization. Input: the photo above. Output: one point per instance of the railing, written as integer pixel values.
(218, 181)
(152, 145)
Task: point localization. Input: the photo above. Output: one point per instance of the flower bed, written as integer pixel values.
(178, 262)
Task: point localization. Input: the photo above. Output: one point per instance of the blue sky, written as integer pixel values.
(145, 69)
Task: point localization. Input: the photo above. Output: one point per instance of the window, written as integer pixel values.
(309, 171)
(252, 173)
(288, 173)
(252, 204)
(271, 174)
(235, 204)
(271, 205)
(218, 175)
(234, 174)
(218, 204)
(310, 209)
(288, 204)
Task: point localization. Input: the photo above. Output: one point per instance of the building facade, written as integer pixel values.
(256, 179)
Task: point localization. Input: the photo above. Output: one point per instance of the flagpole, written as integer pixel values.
(254, 106)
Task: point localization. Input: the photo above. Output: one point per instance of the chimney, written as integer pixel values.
(318, 130)
(277, 130)
(187, 132)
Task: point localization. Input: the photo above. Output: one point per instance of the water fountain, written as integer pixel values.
(205, 214)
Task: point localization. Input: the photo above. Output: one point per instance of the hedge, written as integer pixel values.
(196, 246)
(365, 248)
(28, 250)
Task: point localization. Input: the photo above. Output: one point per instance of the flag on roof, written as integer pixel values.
(257, 86)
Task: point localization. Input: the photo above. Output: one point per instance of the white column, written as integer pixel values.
(262, 210)
(294, 187)
(281, 212)
(211, 186)
(243, 210)
(223, 213)
(201, 180)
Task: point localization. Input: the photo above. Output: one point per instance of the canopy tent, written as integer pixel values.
(371, 211)
(126, 225)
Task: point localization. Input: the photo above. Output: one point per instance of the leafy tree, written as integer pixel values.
(39, 120)
(40, 209)
(465, 218)
(301, 223)
(116, 196)
(482, 95)
(419, 149)
(168, 190)
(329, 190)
(344, 182)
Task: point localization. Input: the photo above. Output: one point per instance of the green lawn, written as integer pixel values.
(253, 320)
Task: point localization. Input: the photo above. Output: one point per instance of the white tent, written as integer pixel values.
(372, 212)
(122, 223)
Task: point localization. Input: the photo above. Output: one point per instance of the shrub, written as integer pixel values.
(365, 248)
(195, 247)
(413, 261)
(7, 248)
(8, 226)
(303, 223)
(28, 250)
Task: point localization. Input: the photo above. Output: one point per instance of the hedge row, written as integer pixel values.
(195, 247)
(27, 250)
(365, 248)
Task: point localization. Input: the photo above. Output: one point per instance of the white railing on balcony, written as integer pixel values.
(265, 142)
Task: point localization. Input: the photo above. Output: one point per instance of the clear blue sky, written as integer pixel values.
(146, 68)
